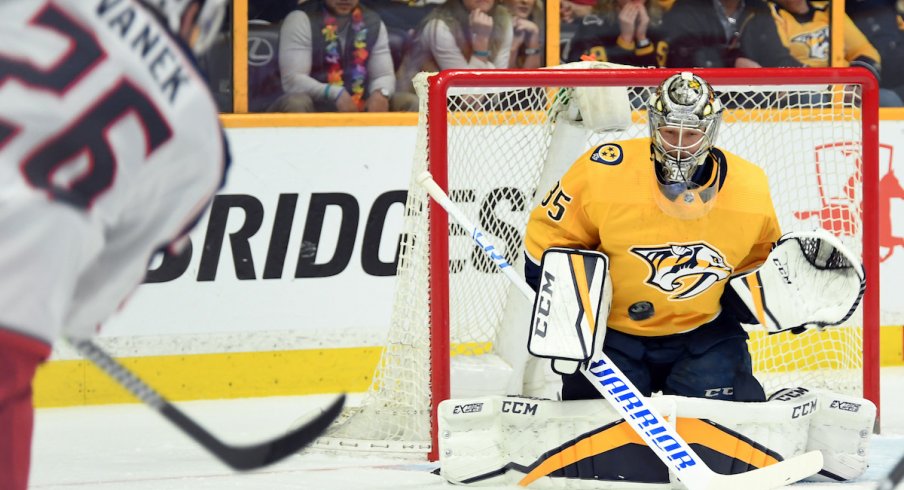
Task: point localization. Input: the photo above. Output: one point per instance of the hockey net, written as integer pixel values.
(497, 141)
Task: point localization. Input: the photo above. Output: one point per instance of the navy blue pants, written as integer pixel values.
(711, 361)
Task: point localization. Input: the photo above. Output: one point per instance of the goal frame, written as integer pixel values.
(438, 119)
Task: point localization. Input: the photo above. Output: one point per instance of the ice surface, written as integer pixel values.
(131, 447)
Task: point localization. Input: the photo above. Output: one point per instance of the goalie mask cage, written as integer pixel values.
(497, 140)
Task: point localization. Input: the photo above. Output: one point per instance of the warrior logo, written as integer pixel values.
(686, 270)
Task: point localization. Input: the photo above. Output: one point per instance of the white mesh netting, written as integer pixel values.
(807, 138)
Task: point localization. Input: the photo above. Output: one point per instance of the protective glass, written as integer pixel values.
(207, 26)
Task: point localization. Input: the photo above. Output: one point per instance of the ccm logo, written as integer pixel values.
(805, 409)
(728, 391)
(846, 406)
(469, 408)
(519, 407)
(791, 394)
(544, 304)
(782, 271)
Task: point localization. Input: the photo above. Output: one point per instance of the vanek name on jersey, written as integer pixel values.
(144, 37)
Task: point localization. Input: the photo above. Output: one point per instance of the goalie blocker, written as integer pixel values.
(585, 444)
(571, 307)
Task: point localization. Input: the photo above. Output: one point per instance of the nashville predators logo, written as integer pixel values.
(815, 42)
(685, 270)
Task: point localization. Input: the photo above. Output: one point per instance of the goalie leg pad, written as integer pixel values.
(586, 444)
(841, 430)
(544, 444)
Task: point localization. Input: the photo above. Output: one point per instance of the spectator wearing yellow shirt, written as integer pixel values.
(879, 22)
(705, 33)
(804, 29)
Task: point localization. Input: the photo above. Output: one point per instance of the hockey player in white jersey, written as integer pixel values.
(110, 149)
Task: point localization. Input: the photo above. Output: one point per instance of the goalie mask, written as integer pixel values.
(684, 116)
(196, 21)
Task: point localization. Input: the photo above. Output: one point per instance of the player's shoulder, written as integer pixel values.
(736, 161)
(740, 172)
(616, 153)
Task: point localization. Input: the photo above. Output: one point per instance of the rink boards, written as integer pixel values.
(302, 305)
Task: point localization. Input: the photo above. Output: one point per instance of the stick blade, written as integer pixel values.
(776, 475)
(303, 436)
(245, 458)
(240, 458)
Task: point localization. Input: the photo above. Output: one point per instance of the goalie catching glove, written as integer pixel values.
(571, 307)
(809, 279)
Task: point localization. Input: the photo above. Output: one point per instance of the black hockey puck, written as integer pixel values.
(641, 311)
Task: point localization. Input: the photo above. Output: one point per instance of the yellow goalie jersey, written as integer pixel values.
(668, 274)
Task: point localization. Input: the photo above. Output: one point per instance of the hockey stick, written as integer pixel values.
(625, 398)
(894, 477)
(236, 457)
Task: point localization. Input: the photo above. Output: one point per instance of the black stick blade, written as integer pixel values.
(244, 458)
(236, 457)
(895, 476)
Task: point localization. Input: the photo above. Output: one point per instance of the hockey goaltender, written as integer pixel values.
(643, 325)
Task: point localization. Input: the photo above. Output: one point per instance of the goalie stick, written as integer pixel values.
(236, 457)
(662, 438)
(894, 477)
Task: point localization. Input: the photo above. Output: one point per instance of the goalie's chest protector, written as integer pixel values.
(668, 274)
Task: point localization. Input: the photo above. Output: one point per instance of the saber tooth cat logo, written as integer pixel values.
(686, 270)
(814, 43)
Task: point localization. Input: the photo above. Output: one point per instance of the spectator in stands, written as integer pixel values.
(619, 31)
(570, 14)
(803, 28)
(401, 18)
(402, 14)
(528, 36)
(705, 33)
(573, 10)
(473, 34)
(334, 56)
(879, 22)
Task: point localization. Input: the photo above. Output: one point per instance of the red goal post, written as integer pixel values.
(814, 130)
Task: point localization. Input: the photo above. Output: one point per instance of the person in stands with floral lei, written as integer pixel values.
(334, 56)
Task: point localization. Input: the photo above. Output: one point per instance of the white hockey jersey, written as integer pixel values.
(110, 146)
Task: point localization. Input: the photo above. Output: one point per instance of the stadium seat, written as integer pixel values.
(399, 44)
(264, 85)
(217, 66)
